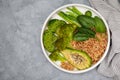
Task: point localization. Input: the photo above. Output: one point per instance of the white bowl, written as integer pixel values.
(82, 8)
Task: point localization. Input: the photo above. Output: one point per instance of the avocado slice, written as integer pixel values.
(79, 59)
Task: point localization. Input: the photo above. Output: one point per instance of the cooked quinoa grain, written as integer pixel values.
(67, 66)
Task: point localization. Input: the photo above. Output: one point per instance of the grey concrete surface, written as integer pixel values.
(21, 57)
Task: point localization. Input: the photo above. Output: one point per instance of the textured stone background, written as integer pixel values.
(21, 57)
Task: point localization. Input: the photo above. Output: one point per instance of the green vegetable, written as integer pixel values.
(86, 21)
(74, 10)
(80, 38)
(88, 13)
(52, 21)
(68, 18)
(71, 14)
(61, 44)
(99, 26)
(65, 33)
(79, 59)
(54, 24)
(48, 40)
(83, 34)
(86, 31)
(57, 56)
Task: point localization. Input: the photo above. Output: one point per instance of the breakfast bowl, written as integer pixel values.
(75, 38)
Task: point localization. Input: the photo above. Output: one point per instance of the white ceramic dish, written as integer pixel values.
(82, 8)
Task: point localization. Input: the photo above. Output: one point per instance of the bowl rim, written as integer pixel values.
(80, 71)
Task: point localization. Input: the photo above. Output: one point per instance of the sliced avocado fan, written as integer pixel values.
(79, 59)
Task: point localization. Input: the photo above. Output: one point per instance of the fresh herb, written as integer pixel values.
(83, 34)
(86, 21)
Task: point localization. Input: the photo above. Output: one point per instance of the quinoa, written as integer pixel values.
(67, 66)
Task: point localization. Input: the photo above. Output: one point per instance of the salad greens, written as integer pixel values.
(100, 26)
(86, 21)
(86, 31)
(83, 34)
